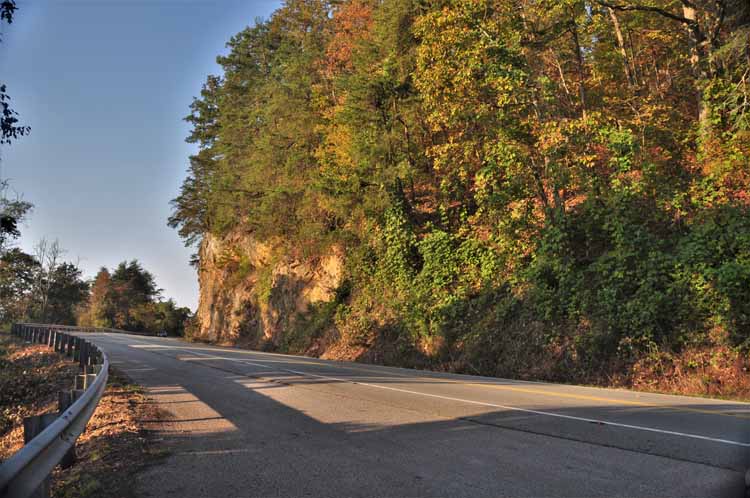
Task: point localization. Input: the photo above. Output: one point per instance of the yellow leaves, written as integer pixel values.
(334, 153)
(466, 74)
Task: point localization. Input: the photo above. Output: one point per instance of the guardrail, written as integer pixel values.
(88, 329)
(26, 472)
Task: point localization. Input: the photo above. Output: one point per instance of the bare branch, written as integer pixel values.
(648, 8)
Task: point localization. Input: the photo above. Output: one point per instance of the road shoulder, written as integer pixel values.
(116, 446)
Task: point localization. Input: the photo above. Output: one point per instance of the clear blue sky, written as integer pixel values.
(104, 85)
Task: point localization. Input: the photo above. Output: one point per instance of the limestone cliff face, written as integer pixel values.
(248, 294)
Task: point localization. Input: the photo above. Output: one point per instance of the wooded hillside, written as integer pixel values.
(547, 189)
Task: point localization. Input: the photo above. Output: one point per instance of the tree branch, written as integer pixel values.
(648, 8)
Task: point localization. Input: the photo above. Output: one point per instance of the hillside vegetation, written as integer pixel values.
(552, 189)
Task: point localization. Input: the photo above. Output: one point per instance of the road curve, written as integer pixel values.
(246, 423)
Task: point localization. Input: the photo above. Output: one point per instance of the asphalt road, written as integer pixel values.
(245, 423)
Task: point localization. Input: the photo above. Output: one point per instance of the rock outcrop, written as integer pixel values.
(249, 294)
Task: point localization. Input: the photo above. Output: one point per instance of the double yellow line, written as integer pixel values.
(641, 404)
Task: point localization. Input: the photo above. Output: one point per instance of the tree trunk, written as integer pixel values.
(621, 45)
(696, 38)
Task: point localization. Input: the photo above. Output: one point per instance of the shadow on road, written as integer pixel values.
(239, 429)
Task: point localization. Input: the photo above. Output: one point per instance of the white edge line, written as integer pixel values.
(482, 403)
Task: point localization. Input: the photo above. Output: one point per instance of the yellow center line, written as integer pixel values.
(642, 404)
(610, 401)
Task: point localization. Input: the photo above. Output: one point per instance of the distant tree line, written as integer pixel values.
(41, 287)
(128, 299)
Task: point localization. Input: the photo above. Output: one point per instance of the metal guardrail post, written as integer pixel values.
(84, 354)
(71, 345)
(32, 427)
(76, 348)
(64, 400)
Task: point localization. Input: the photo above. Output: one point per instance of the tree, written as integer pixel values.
(12, 213)
(57, 288)
(17, 276)
(100, 309)
(133, 289)
(48, 255)
(67, 291)
(170, 318)
(129, 299)
(257, 129)
(32, 290)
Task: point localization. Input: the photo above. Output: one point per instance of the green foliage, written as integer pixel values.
(399, 246)
(715, 265)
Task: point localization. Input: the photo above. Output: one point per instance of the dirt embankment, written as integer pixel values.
(31, 375)
(115, 444)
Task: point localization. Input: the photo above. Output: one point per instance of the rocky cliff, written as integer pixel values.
(249, 292)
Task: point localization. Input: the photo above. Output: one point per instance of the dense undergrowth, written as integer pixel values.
(552, 190)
